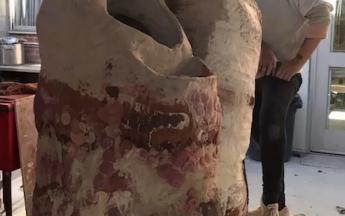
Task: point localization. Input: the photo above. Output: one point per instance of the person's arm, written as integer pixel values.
(290, 68)
(318, 20)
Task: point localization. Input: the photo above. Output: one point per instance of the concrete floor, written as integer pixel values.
(17, 196)
(315, 185)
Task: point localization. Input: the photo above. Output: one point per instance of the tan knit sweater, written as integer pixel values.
(287, 23)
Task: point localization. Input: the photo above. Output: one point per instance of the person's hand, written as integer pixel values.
(289, 69)
(268, 61)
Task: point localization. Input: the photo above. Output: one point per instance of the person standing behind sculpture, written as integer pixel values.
(292, 30)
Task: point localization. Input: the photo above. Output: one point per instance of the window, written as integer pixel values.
(339, 28)
(337, 99)
(23, 15)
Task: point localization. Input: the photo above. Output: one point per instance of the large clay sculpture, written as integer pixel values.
(129, 120)
(227, 35)
(128, 123)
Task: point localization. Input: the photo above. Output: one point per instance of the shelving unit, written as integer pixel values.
(25, 68)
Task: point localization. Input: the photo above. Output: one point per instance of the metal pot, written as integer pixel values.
(32, 53)
(11, 53)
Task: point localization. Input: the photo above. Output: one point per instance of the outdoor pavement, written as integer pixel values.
(315, 185)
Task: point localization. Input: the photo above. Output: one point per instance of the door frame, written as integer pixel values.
(312, 85)
(311, 99)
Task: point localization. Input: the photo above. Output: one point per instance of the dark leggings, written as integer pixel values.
(273, 97)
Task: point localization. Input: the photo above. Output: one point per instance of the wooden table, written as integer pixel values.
(7, 175)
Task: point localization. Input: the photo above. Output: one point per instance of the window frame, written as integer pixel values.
(18, 29)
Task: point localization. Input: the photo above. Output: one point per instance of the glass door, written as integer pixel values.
(328, 90)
